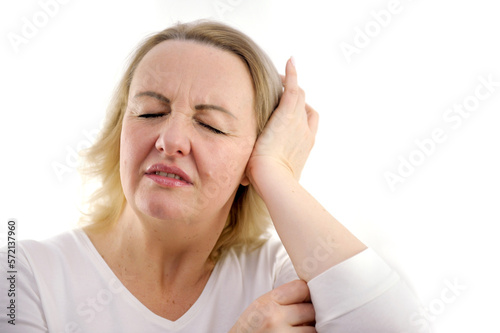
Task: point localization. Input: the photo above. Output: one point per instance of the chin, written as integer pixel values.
(165, 210)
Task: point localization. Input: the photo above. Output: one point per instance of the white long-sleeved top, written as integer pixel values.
(63, 285)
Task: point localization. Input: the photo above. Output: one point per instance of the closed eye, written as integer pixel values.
(152, 115)
(210, 128)
(158, 115)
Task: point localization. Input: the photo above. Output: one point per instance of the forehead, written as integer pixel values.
(205, 71)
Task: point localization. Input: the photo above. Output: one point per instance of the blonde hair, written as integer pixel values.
(248, 218)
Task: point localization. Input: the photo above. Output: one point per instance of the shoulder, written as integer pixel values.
(269, 262)
(55, 243)
(38, 276)
(269, 253)
(52, 254)
(64, 244)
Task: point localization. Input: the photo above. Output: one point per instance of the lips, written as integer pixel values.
(168, 171)
(169, 175)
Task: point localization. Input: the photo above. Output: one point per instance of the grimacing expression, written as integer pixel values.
(190, 115)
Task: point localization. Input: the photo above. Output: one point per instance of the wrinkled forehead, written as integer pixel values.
(184, 63)
(187, 74)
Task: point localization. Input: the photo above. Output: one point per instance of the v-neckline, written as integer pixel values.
(108, 274)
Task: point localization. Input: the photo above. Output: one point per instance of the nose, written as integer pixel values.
(174, 139)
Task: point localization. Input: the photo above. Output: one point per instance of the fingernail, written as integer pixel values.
(292, 59)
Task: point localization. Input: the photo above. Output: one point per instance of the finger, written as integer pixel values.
(299, 314)
(292, 91)
(295, 89)
(308, 296)
(312, 119)
(291, 293)
(303, 329)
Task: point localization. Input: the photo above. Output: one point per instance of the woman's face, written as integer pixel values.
(187, 133)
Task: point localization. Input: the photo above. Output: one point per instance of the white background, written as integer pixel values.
(437, 227)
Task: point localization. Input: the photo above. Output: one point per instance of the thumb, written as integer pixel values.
(291, 293)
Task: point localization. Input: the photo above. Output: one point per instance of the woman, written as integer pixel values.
(192, 165)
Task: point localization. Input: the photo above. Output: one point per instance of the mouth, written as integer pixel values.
(168, 175)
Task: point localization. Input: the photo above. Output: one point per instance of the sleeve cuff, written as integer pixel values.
(350, 284)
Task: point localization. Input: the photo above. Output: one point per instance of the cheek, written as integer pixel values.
(225, 166)
(133, 148)
(125, 154)
(126, 150)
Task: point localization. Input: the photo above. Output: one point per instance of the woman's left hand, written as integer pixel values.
(288, 137)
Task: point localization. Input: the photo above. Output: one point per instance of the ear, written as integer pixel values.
(245, 181)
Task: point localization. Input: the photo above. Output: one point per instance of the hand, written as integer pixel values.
(288, 137)
(284, 309)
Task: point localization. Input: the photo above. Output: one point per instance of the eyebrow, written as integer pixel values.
(199, 107)
(159, 97)
(202, 107)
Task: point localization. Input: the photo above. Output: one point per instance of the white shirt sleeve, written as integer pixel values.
(28, 313)
(63, 285)
(363, 294)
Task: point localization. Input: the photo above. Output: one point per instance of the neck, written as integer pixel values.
(168, 253)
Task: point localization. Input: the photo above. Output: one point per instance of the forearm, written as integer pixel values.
(314, 239)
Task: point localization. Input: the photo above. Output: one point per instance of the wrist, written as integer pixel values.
(270, 176)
